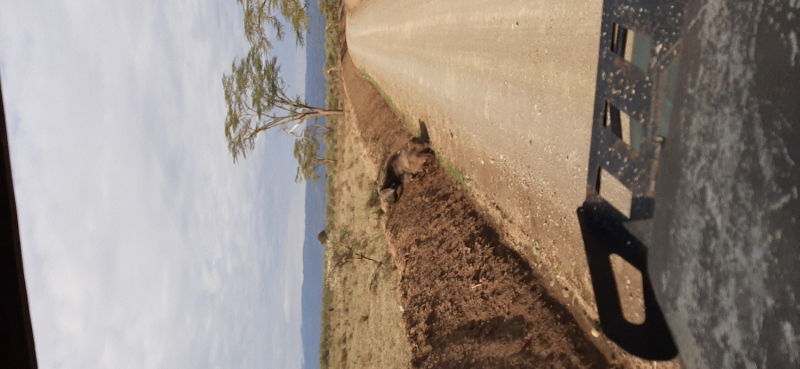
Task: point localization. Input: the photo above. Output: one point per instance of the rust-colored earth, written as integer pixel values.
(470, 299)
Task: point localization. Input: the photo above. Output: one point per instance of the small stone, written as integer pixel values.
(595, 333)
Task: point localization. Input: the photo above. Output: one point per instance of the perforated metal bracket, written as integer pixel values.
(639, 48)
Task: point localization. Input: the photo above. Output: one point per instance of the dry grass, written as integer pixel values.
(362, 317)
(333, 10)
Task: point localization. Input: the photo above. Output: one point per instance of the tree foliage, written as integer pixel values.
(257, 101)
(306, 151)
(255, 93)
(260, 15)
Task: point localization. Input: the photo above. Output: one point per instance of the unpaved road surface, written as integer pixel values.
(469, 300)
(514, 77)
(506, 88)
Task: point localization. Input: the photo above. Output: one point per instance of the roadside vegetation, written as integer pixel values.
(255, 92)
(361, 315)
(411, 126)
(333, 11)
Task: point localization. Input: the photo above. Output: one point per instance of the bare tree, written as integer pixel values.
(347, 248)
(343, 255)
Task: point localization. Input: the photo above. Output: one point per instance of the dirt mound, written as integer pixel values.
(469, 299)
(381, 129)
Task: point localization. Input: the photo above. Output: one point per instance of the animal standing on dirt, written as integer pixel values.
(403, 165)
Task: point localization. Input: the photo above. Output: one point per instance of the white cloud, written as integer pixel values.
(144, 246)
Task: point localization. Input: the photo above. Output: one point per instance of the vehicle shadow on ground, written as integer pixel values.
(469, 299)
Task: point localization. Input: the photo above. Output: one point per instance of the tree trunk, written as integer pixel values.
(363, 257)
(326, 128)
(324, 112)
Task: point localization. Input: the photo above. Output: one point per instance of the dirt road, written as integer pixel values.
(506, 88)
(516, 76)
(468, 299)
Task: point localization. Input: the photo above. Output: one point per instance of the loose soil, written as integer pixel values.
(469, 298)
(362, 316)
(507, 91)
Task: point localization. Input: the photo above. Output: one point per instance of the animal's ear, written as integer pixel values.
(388, 194)
(423, 131)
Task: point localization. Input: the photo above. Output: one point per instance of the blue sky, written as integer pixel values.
(144, 245)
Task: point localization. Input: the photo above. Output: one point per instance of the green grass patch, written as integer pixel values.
(455, 172)
(458, 177)
(380, 90)
(406, 120)
(497, 220)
